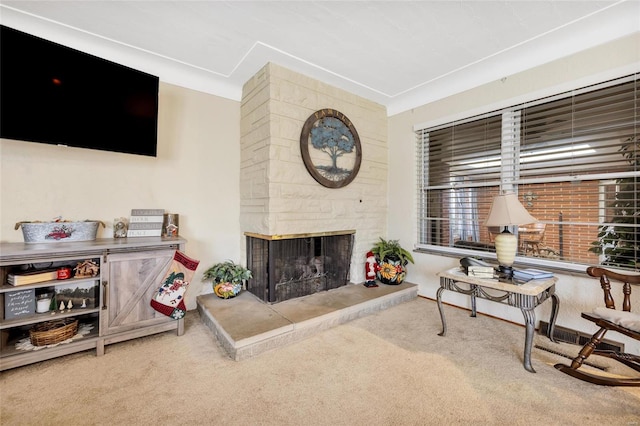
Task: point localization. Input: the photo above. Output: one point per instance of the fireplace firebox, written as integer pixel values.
(289, 266)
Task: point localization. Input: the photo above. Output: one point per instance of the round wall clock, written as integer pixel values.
(330, 148)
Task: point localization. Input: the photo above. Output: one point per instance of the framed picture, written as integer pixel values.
(330, 148)
(81, 295)
(19, 303)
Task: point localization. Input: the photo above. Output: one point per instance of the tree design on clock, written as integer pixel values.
(330, 148)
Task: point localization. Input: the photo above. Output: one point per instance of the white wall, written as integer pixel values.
(577, 292)
(196, 174)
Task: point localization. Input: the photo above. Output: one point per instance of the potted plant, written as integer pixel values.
(392, 261)
(227, 278)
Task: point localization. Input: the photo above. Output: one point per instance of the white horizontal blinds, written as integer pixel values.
(578, 168)
(431, 225)
(573, 159)
(579, 134)
(422, 167)
(619, 234)
(462, 159)
(465, 154)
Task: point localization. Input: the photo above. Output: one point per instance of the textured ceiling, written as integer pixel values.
(399, 54)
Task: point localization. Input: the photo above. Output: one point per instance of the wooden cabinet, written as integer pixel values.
(110, 307)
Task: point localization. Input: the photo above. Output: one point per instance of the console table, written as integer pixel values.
(524, 296)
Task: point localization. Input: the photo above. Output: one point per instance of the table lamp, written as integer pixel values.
(506, 211)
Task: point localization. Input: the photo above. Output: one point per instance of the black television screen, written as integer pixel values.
(53, 94)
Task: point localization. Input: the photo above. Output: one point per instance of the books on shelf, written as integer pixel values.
(144, 233)
(531, 274)
(146, 219)
(32, 277)
(147, 212)
(145, 223)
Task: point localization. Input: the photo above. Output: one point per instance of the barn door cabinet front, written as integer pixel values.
(130, 281)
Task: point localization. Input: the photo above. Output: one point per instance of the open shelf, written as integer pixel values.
(10, 338)
(8, 288)
(47, 316)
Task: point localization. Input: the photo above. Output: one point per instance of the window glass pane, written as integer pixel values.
(618, 240)
(570, 213)
(459, 164)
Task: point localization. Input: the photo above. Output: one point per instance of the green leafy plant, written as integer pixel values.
(393, 249)
(227, 272)
(619, 240)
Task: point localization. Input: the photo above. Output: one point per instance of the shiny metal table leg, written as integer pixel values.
(473, 289)
(530, 321)
(555, 304)
(444, 322)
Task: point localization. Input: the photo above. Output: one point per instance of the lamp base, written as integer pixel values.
(506, 246)
(505, 272)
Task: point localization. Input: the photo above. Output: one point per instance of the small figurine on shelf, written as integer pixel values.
(120, 227)
(61, 307)
(370, 270)
(86, 269)
(69, 305)
(84, 303)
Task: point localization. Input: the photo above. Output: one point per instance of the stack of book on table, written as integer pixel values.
(531, 274)
(479, 271)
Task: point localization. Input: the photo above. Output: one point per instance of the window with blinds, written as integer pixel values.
(573, 159)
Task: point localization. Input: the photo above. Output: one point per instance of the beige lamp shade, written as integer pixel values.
(505, 211)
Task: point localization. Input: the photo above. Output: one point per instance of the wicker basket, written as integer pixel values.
(52, 332)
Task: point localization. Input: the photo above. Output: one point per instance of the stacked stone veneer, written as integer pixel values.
(278, 195)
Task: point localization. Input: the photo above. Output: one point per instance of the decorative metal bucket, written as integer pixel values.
(47, 232)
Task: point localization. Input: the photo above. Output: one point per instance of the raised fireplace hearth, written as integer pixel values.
(289, 266)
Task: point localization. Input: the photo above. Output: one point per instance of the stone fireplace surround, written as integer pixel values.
(278, 195)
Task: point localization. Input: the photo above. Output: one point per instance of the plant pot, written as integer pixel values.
(227, 290)
(391, 270)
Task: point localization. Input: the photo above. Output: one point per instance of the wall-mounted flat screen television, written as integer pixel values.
(53, 94)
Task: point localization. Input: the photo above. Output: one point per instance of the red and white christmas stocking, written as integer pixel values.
(169, 299)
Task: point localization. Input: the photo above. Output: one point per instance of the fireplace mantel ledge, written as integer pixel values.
(292, 236)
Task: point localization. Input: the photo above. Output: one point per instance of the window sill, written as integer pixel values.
(548, 265)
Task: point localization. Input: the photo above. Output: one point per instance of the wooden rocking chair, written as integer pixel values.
(624, 322)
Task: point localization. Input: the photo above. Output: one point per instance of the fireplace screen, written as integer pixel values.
(287, 268)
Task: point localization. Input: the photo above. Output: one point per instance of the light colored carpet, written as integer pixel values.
(389, 368)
